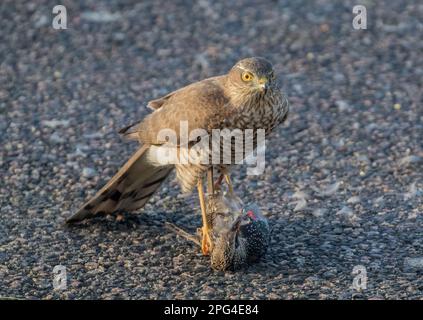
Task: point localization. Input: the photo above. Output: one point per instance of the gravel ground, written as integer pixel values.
(343, 184)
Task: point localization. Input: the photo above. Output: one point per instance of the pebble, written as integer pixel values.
(89, 172)
(414, 263)
(100, 16)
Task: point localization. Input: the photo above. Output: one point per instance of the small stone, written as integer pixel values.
(324, 27)
(354, 200)
(414, 263)
(55, 123)
(35, 174)
(100, 16)
(57, 74)
(119, 37)
(41, 21)
(91, 265)
(88, 172)
(342, 105)
(56, 139)
(337, 231)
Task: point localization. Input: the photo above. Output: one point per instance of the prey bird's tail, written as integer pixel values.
(129, 189)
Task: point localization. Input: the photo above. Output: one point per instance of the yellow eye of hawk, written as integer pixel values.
(247, 76)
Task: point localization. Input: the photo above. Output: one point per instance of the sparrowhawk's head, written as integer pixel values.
(253, 74)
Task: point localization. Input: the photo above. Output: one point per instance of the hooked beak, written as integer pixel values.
(263, 85)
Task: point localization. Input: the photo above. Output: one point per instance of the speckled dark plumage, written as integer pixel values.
(240, 233)
(257, 233)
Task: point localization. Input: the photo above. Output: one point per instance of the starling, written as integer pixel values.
(239, 234)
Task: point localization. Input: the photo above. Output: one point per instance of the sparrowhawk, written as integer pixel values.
(247, 97)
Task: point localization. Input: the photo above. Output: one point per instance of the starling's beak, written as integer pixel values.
(263, 85)
(234, 232)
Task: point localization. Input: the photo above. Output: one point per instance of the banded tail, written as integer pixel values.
(129, 189)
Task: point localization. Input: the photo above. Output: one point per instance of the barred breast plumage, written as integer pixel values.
(251, 111)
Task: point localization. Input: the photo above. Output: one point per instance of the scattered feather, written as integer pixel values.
(319, 212)
(345, 212)
(55, 123)
(409, 160)
(301, 205)
(354, 200)
(201, 60)
(342, 105)
(301, 200)
(413, 214)
(300, 195)
(413, 191)
(378, 202)
(329, 190)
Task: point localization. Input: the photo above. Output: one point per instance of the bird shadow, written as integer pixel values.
(124, 222)
(129, 221)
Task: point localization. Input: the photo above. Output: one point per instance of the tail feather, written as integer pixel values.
(129, 189)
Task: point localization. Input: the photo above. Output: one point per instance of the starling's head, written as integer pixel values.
(229, 248)
(253, 74)
(239, 233)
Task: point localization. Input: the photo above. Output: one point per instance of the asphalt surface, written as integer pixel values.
(343, 184)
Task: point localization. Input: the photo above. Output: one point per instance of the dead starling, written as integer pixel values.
(239, 234)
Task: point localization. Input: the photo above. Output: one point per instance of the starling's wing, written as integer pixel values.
(129, 189)
(203, 105)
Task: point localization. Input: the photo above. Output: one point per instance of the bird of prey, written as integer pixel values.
(247, 97)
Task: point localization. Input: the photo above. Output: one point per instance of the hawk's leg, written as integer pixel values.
(206, 244)
(228, 180)
(224, 175)
(210, 181)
